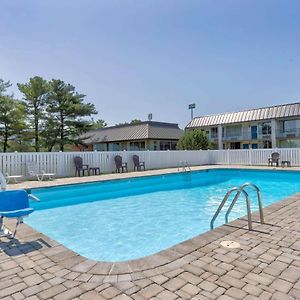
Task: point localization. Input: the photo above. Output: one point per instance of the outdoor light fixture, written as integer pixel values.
(191, 107)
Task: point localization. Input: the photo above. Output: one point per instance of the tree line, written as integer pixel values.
(50, 116)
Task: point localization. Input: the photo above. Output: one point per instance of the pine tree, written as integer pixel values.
(68, 110)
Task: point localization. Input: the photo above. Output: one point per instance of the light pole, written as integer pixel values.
(191, 107)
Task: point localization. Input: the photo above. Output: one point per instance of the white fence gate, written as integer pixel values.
(62, 163)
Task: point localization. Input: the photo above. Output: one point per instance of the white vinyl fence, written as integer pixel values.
(253, 157)
(62, 163)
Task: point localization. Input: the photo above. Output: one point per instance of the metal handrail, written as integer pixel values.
(184, 166)
(237, 196)
(187, 166)
(232, 204)
(239, 191)
(261, 214)
(34, 198)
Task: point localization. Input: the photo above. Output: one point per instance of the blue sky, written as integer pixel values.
(131, 57)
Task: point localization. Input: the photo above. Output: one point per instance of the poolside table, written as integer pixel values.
(94, 171)
(285, 163)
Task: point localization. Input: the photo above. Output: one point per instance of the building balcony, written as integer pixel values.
(247, 137)
(237, 137)
(261, 136)
(213, 137)
(288, 134)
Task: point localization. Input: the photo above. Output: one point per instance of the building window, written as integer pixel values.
(114, 147)
(166, 145)
(289, 126)
(267, 144)
(235, 145)
(214, 132)
(137, 146)
(100, 147)
(233, 131)
(266, 128)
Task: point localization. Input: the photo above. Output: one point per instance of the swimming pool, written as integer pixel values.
(131, 218)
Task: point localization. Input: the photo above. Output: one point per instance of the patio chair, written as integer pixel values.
(120, 166)
(34, 171)
(80, 167)
(14, 205)
(274, 159)
(137, 163)
(12, 177)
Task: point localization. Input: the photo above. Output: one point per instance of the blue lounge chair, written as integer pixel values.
(14, 205)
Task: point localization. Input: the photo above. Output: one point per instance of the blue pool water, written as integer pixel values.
(128, 219)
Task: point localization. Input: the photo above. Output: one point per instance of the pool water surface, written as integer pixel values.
(131, 218)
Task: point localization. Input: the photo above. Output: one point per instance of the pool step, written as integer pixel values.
(240, 190)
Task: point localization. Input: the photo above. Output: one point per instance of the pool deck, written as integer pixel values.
(114, 176)
(265, 266)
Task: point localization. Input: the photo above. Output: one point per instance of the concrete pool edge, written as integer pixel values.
(166, 260)
(119, 176)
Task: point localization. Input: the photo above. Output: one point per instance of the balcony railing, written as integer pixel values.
(214, 137)
(236, 137)
(288, 134)
(247, 136)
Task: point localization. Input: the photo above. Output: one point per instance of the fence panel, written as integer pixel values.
(255, 157)
(62, 163)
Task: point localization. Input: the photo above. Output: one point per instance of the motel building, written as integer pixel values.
(147, 135)
(267, 127)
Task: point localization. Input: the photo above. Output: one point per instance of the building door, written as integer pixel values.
(254, 132)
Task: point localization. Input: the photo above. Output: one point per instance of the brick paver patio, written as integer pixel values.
(265, 266)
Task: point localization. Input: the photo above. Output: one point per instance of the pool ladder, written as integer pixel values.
(184, 166)
(240, 190)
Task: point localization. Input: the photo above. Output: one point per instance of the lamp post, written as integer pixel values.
(191, 107)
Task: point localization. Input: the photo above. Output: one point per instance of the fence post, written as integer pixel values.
(59, 157)
(250, 157)
(228, 163)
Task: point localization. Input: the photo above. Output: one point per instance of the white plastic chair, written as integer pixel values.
(33, 171)
(13, 177)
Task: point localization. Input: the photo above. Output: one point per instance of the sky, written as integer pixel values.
(133, 57)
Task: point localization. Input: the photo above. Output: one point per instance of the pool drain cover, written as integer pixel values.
(230, 244)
